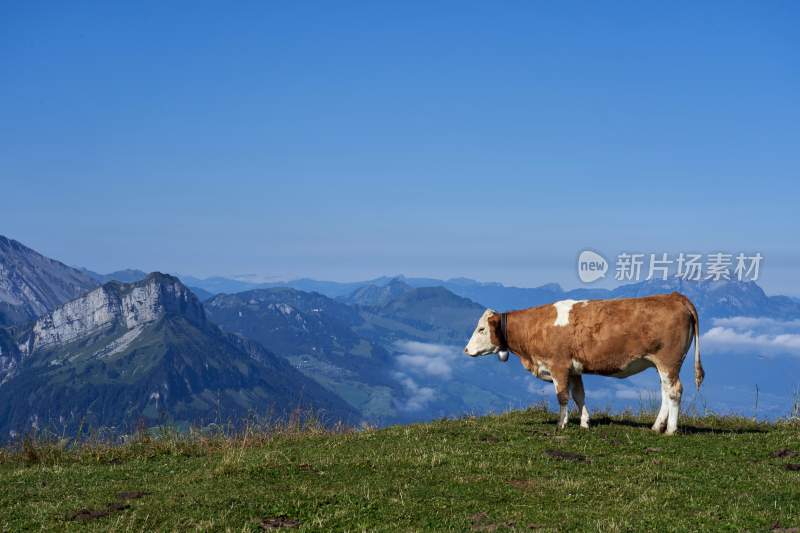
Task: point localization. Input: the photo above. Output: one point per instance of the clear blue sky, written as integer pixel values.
(344, 140)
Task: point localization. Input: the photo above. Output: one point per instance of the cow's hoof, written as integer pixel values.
(585, 425)
(659, 428)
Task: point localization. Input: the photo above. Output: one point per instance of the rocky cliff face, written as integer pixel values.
(144, 350)
(112, 305)
(32, 284)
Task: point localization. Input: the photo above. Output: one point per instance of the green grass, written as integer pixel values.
(488, 473)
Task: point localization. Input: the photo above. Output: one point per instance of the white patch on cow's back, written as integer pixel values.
(563, 308)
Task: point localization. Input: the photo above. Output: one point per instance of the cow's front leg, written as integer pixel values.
(579, 396)
(561, 383)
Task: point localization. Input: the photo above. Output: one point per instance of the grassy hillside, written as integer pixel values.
(492, 473)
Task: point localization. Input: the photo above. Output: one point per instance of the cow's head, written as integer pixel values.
(486, 337)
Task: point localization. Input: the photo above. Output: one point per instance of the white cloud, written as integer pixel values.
(423, 360)
(632, 393)
(721, 339)
(598, 394)
(426, 359)
(618, 391)
(423, 364)
(417, 397)
(749, 335)
(621, 391)
(424, 348)
(762, 324)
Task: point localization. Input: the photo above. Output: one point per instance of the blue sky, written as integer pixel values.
(346, 140)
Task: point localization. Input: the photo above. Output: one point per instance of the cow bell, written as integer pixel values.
(503, 356)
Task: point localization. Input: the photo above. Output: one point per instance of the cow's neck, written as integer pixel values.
(512, 336)
(502, 332)
(516, 340)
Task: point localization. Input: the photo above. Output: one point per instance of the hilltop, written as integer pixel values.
(507, 472)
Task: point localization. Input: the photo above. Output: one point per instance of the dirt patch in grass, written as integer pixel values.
(565, 456)
(131, 495)
(784, 452)
(489, 438)
(792, 467)
(87, 514)
(776, 528)
(84, 515)
(522, 484)
(279, 522)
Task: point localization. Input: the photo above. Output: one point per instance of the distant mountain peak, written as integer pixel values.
(552, 287)
(399, 281)
(128, 275)
(379, 295)
(11, 244)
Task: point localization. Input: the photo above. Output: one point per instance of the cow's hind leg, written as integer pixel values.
(579, 396)
(661, 420)
(561, 383)
(675, 393)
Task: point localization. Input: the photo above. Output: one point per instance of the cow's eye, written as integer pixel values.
(481, 330)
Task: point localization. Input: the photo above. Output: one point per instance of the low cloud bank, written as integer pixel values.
(422, 360)
(417, 397)
(427, 359)
(616, 391)
(753, 335)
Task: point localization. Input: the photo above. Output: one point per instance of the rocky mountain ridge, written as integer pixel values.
(130, 306)
(32, 284)
(144, 350)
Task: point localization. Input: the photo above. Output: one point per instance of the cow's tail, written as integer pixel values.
(699, 373)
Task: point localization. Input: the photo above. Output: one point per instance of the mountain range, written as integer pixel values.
(144, 351)
(109, 349)
(714, 299)
(319, 336)
(383, 357)
(752, 368)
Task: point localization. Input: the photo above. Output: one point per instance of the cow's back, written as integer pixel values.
(608, 334)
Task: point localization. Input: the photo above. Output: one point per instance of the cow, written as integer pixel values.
(561, 341)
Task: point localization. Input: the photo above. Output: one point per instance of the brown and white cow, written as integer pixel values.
(559, 342)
